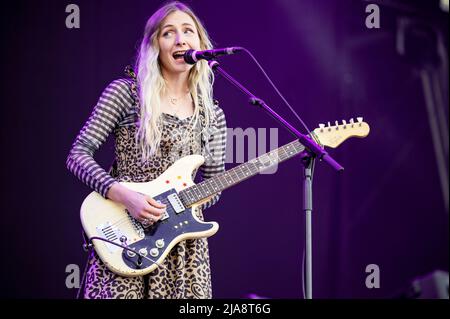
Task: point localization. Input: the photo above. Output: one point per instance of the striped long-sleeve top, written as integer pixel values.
(116, 108)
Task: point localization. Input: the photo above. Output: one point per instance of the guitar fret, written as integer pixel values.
(205, 187)
(215, 187)
(197, 192)
(203, 191)
(283, 153)
(234, 173)
(201, 187)
(249, 171)
(193, 194)
(183, 198)
(187, 192)
(253, 168)
(209, 187)
(218, 181)
(227, 178)
(239, 173)
(242, 168)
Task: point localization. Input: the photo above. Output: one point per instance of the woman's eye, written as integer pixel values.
(188, 31)
(167, 33)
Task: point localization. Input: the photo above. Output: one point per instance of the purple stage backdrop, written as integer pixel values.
(386, 209)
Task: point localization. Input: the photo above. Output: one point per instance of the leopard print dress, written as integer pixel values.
(186, 272)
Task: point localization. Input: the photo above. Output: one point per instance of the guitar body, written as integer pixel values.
(107, 219)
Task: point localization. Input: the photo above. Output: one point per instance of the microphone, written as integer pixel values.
(192, 56)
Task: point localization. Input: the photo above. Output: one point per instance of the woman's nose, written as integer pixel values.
(179, 40)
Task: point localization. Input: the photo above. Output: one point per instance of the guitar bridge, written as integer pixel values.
(110, 233)
(114, 231)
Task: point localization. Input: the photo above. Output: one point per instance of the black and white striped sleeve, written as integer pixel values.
(111, 107)
(215, 159)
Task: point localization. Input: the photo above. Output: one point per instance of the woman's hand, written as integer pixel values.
(141, 207)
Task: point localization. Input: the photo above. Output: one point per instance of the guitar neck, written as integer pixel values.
(234, 176)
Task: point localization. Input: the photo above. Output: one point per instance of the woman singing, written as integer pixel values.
(160, 112)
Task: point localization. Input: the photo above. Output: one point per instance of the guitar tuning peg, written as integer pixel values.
(321, 126)
(336, 124)
(344, 123)
(352, 122)
(359, 119)
(329, 126)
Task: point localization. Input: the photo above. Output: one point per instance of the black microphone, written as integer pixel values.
(192, 56)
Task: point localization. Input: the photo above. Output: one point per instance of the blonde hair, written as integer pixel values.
(151, 82)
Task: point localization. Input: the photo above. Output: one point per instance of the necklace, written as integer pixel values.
(176, 100)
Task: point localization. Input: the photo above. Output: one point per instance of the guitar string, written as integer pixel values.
(121, 221)
(126, 219)
(280, 152)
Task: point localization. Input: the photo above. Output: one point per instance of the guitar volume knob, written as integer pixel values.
(160, 243)
(154, 252)
(143, 251)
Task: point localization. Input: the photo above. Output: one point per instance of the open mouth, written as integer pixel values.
(178, 55)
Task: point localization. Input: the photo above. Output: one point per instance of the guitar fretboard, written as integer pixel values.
(239, 173)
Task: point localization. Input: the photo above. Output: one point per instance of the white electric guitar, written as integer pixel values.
(142, 249)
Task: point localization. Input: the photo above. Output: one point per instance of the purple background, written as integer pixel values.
(385, 209)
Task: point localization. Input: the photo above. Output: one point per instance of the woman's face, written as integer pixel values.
(178, 34)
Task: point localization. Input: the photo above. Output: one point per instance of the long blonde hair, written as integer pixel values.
(151, 82)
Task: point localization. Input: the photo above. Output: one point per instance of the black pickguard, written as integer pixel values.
(168, 230)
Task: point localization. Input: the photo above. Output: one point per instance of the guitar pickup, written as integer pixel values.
(176, 203)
